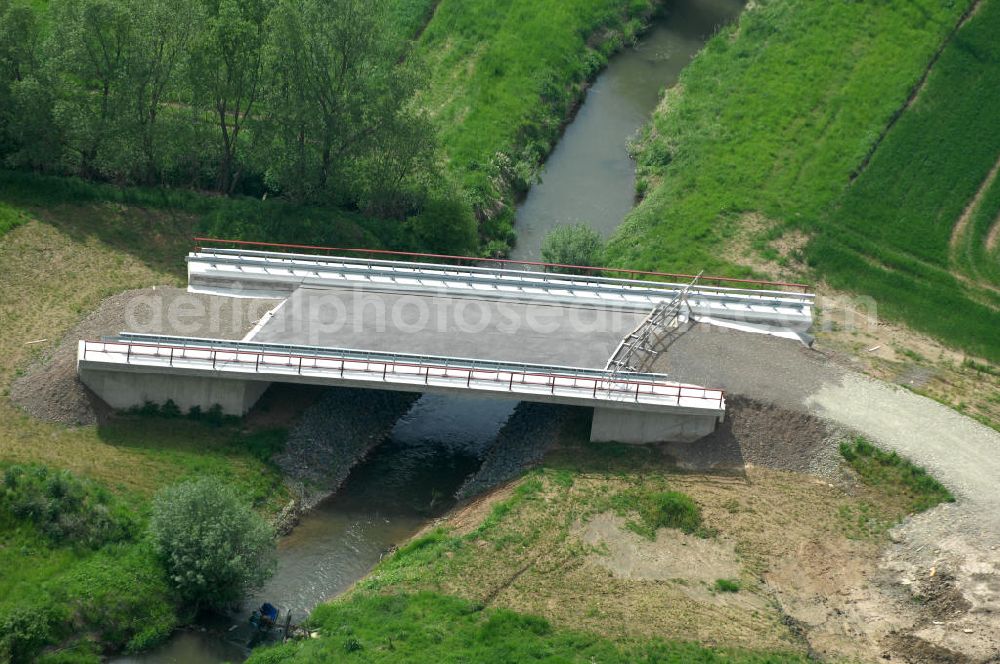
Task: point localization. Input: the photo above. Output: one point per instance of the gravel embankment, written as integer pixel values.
(50, 390)
(522, 442)
(333, 435)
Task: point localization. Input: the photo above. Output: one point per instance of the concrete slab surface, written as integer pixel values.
(435, 324)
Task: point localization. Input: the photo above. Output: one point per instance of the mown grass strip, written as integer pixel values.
(939, 153)
(431, 627)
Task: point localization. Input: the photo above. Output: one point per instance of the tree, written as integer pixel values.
(163, 31)
(213, 546)
(87, 51)
(573, 245)
(27, 137)
(339, 121)
(228, 75)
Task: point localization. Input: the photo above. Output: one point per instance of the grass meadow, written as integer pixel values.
(912, 229)
(58, 262)
(774, 118)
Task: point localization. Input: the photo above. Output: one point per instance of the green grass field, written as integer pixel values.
(896, 232)
(75, 244)
(777, 113)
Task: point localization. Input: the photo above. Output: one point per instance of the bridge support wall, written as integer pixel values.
(124, 389)
(631, 426)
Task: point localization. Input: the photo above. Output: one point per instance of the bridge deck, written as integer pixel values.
(395, 371)
(578, 335)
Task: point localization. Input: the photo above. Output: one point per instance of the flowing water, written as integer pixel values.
(406, 481)
(410, 478)
(589, 178)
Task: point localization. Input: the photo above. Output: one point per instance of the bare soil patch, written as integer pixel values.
(742, 249)
(962, 223)
(992, 236)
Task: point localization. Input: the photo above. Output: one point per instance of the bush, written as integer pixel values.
(660, 509)
(671, 509)
(445, 226)
(65, 508)
(727, 586)
(213, 546)
(573, 245)
(896, 475)
(24, 631)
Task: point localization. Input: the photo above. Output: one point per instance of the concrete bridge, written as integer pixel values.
(406, 325)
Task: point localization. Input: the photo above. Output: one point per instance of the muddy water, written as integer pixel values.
(589, 177)
(387, 498)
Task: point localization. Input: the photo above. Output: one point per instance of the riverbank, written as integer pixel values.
(571, 544)
(505, 80)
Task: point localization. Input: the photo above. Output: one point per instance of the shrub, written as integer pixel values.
(25, 630)
(213, 546)
(170, 409)
(727, 586)
(671, 509)
(446, 225)
(895, 474)
(65, 508)
(573, 245)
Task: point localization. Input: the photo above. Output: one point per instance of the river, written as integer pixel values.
(409, 479)
(405, 481)
(589, 178)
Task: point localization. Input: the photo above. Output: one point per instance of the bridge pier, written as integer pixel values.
(125, 389)
(638, 427)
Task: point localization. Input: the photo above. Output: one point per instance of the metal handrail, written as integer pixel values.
(352, 354)
(382, 366)
(539, 280)
(506, 261)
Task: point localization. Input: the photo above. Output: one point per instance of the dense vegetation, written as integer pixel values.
(772, 119)
(329, 104)
(74, 564)
(301, 97)
(78, 568)
(428, 627)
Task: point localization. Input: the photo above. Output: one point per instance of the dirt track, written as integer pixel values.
(959, 541)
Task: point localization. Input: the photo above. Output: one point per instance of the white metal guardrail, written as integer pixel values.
(276, 273)
(398, 371)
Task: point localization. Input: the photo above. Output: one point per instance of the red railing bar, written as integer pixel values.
(586, 268)
(259, 355)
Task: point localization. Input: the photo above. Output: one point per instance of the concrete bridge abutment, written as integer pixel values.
(639, 427)
(126, 389)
